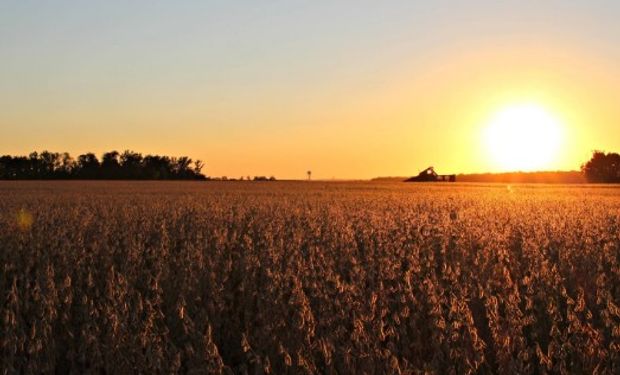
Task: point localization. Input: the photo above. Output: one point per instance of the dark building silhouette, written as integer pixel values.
(429, 175)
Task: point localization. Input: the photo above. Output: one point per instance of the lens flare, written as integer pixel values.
(24, 220)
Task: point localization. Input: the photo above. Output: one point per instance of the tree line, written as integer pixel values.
(602, 167)
(113, 165)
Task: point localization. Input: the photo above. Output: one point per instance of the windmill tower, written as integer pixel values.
(309, 175)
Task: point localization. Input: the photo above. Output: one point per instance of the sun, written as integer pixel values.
(523, 137)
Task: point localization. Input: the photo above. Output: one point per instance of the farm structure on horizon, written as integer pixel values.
(429, 175)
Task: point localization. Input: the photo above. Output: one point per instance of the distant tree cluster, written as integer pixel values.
(248, 178)
(602, 168)
(264, 178)
(113, 165)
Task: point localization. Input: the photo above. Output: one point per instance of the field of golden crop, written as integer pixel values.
(294, 277)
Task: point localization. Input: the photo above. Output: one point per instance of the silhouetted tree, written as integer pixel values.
(66, 166)
(87, 166)
(49, 163)
(198, 165)
(130, 164)
(156, 167)
(4, 173)
(602, 168)
(110, 165)
(181, 167)
(31, 167)
(17, 167)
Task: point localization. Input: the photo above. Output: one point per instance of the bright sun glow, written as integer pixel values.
(523, 138)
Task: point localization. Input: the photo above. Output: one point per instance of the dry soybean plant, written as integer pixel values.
(298, 278)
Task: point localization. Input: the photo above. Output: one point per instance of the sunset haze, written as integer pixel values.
(347, 90)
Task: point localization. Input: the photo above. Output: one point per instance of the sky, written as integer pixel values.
(347, 89)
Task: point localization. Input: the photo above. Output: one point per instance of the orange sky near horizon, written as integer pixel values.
(350, 108)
